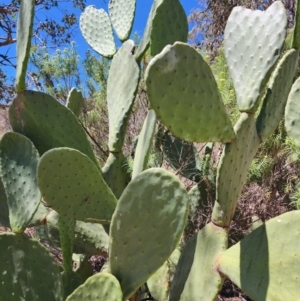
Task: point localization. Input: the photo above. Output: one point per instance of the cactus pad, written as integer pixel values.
(159, 283)
(233, 168)
(47, 123)
(121, 14)
(250, 67)
(168, 26)
(144, 144)
(122, 84)
(145, 41)
(184, 94)
(4, 212)
(196, 276)
(277, 93)
(24, 34)
(266, 263)
(72, 185)
(27, 270)
(102, 286)
(97, 31)
(18, 163)
(292, 113)
(75, 101)
(154, 200)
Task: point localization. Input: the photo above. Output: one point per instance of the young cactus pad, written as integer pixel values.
(146, 227)
(27, 270)
(122, 84)
(184, 94)
(18, 163)
(24, 35)
(75, 101)
(121, 14)
(72, 185)
(253, 41)
(97, 31)
(265, 264)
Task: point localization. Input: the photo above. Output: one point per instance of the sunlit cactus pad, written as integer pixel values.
(184, 94)
(97, 30)
(100, 287)
(196, 276)
(122, 84)
(121, 14)
(168, 26)
(72, 185)
(146, 227)
(18, 163)
(75, 101)
(48, 123)
(233, 168)
(253, 41)
(266, 263)
(27, 271)
(24, 35)
(292, 113)
(277, 93)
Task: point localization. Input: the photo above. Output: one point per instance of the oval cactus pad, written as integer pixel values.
(72, 185)
(253, 41)
(265, 264)
(121, 15)
(100, 287)
(18, 163)
(146, 227)
(184, 94)
(27, 270)
(97, 31)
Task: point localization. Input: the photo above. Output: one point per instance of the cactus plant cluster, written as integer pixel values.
(51, 179)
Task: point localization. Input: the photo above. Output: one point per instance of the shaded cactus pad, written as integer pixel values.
(266, 263)
(154, 200)
(184, 94)
(27, 270)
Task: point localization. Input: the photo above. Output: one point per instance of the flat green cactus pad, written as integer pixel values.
(47, 123)
(145, 41)
(168, 26)
(144, 144)
(182, 156)
(266, 263)
(292, 113)
(277, 93)
(250, 67)
(100, 287)
(4, 212)
(97, 31)
(296, 34)
(196, 276)
(72, 185)
(18, 163)
(233, 168)
(90, 238)
(121, 14)
(154, 200)
(159, 283)
(184, 94)
(75, 101)
(27, 270)
(24, 35)
(122, 84)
